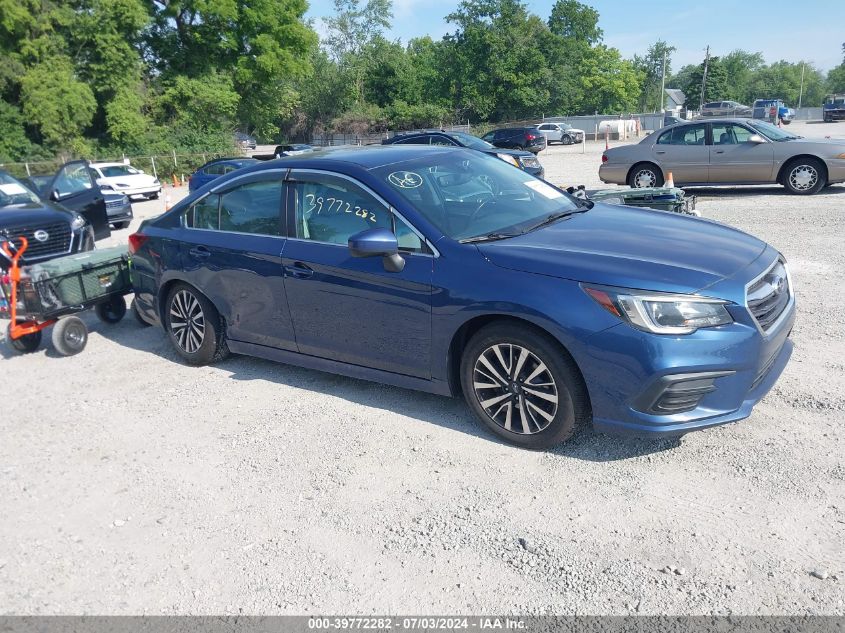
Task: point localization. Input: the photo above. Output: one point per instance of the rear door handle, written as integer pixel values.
(720, 151)
(200, 251)
(299, 271)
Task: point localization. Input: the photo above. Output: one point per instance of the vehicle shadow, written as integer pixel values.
(752, 191)
(450, 413)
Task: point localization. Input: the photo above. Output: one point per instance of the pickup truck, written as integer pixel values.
(834, 108)
(762, 109)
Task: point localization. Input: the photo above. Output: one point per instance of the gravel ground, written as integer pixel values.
(131, 483)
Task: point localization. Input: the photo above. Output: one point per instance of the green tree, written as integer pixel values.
(651, 66)
(741, 66)
(573, 20)
(610, 84)
(716, 84)
(782, 80)
(14, 144)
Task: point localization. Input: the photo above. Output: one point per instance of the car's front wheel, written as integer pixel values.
(645, 175)
(194, 326)
(566, 140)
(523, 386)
(804, 176)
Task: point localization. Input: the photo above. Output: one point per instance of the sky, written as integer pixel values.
(808, 30)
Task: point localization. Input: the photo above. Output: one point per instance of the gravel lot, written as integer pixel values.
(131, 483)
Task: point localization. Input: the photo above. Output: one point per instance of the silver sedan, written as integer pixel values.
(727, 152)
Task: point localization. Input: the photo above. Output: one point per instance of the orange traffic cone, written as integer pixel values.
(175, 181)
(670, 182)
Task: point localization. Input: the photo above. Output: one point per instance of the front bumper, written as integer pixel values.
(134, 192)
(629, 368)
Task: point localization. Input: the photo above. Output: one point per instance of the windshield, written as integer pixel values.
(837, 100)
(469, 196)
(112, 171)
(12, 192)
(473, 142)
(771, 132)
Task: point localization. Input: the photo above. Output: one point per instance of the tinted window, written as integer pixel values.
(204, 214)
(73, 178)
(686, 135)
(214, 170)
(437, 139)
(413, 140)
(252, 208)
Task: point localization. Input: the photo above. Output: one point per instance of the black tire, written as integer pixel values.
(639, 176)
(119, 226)
(785, 122)
(137, 314)
(26, 344)
(70, 336)
(154, 196)
(804, 176)
(566, 139)
(547, 423)
(194, 327)
(111, 311)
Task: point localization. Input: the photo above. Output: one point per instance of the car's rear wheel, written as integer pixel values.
(566, 140)
(804, 176)
(644, 175)
(194, 326)
(523, 386)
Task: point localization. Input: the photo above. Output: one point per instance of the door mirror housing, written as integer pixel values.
(378, 243)
(55, 196)
(373, 243)
(756, 139)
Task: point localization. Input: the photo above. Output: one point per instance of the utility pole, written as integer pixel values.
(704, 77)
(663, 85)
(801, 93)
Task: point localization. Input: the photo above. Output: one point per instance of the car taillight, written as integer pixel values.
(530, 137)
(604, 158)
(136, 241)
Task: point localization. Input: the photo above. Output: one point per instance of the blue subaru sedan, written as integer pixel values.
(449, 271)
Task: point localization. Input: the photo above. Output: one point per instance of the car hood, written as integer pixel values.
(632, 248)
(510, 152)
(33, 213)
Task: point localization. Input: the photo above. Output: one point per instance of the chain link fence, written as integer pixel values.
(162, 166)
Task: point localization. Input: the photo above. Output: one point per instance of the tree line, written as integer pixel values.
(151, 76)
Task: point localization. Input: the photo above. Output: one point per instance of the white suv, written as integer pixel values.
(561, 133)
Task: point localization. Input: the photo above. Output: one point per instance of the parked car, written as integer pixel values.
(128, 180)
(447, 271)
(525, 138)
(727, 152)
(763, 110)
(118, 205)
(833, 108)
(52, 230)
(74, 187)
(669, 119)
(216, 168)
(294, 149)
(245, 141)
(526, 161)
(725, 109)
(561, 133)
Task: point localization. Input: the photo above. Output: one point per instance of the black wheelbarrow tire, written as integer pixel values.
(70, 336)
(26, 344)
(112, 310)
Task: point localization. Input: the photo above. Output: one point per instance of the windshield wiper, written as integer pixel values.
(489, 237)
(554, 217)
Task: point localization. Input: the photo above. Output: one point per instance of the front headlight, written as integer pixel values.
(509, 159)
(77, 223)
(661, 313)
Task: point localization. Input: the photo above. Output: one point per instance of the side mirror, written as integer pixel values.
(55, 196)
(756, 139)
(378, 243)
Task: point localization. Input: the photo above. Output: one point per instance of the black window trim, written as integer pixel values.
(291, 210)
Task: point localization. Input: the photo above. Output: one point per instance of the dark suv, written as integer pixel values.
(524, 160)
(525, 138)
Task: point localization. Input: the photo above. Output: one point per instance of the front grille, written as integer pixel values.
(58, 240)
(114, 204)
(768, 297)
(764, 370)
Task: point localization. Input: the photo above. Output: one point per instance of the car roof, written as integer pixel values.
(117, 164)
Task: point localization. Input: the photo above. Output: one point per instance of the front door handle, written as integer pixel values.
(200, 251)
(299, 271)
(720, 151)
(663, 151)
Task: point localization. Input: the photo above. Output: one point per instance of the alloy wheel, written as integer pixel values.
(515, 388)
(645, 178)
(803, 177)
(187, 321)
